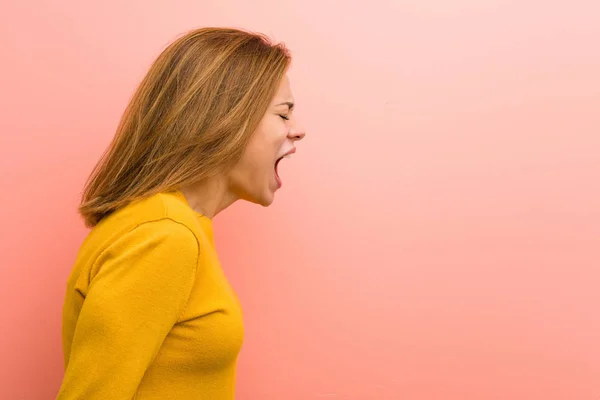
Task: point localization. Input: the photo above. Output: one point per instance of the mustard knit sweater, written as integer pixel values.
(148, 312)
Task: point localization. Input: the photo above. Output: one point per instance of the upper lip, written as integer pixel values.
(292, 151)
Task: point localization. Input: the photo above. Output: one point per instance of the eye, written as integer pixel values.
(285, 117)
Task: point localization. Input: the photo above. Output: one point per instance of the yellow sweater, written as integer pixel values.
(148, 312)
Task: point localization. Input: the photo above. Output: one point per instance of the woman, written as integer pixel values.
(148, 312)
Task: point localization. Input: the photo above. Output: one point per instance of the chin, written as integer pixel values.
(264, 199)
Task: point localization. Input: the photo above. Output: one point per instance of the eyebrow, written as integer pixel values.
(287, 103)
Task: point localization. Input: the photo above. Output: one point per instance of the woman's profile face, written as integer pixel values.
(255, 178)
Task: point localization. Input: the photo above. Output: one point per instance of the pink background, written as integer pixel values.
(438, 233)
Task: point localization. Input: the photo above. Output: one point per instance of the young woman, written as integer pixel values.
(148, 312)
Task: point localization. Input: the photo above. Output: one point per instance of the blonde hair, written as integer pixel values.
(190, 118)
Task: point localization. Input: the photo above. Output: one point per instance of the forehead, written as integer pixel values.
(284, 92)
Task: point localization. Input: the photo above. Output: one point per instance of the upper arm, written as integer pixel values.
(140, 289)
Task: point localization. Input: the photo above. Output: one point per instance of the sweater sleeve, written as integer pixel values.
(139, 289)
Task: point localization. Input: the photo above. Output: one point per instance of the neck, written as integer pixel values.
(209, 197)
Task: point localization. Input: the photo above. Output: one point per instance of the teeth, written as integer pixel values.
(288, 156)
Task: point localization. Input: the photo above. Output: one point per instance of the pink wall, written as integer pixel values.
(438, 235)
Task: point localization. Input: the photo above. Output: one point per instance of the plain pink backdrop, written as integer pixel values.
(438, 233)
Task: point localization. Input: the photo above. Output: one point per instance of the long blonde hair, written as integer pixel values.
(190, 118)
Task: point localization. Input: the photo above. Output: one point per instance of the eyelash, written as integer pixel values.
(284, 117)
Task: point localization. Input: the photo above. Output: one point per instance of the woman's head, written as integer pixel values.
(204, 112)
(256, 178)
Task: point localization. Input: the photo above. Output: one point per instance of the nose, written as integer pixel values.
(296, 132)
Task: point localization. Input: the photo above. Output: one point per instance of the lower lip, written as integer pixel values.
(278, 180)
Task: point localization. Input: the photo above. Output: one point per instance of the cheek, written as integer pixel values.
(264, 147)
(256, 163)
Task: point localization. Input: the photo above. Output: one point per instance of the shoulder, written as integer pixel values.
(166, 206)
(156, 242)
(156, 233)
(175, 207)
(163, 217)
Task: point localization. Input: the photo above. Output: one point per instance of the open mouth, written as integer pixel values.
(277, 177)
